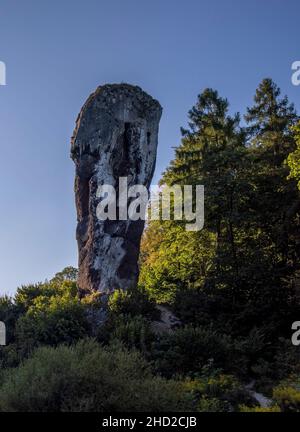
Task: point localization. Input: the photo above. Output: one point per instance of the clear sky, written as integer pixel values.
(58, 51)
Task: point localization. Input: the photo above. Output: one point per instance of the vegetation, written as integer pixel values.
(233, 285)
(87, 377)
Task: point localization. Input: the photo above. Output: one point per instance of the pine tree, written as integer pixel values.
(212, 153)
(251, 216)
(271, 140)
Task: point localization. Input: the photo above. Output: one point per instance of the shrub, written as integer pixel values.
(287, 397)
(217, 392)
(287, 359)
(9, 356)
(273, 408)
(134, 301)
(189, 349)
(134, 332)
(128, 318)
(51, 320)
(26, 294)
(88, 377)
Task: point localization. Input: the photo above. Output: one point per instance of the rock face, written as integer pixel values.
(115, 136)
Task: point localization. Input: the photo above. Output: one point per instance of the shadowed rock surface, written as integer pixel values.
(115, 136)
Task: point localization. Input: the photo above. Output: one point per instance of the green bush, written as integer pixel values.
(273, 408)
(88, 377)
(10, 356)
(52, 315)
(134, 332)
(134, 301)
(62, 284)
(189, 349)
(216, 392)
(287, 359)
(51, 321)
(128, 318)
(287, 395)
(27, 294)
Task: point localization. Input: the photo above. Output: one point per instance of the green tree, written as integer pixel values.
(248, 246)
(181, 261)
(271, 139)
(212, 153)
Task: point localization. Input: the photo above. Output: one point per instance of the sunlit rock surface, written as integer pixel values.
(115, 136)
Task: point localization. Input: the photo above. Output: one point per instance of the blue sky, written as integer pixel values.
(58, 52)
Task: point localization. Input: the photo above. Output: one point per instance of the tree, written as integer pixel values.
(180, 262)
(212, 153)
(68, 273)
(248, 246)
(275, 204)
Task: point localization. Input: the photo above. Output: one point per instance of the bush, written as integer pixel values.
(134, 332)
(267, 363)
(128, 318)
(273, 408)
(287, 396)
(53, 317)
(250, 351)
(287, 359)
(189, 349)
(217, 392)
(88, 377)
(134, 301)
(10, 356)
(27, 294)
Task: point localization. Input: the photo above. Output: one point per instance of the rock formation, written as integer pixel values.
(115, 136)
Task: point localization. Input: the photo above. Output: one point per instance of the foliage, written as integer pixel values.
(273, 408)
(80, 378)
(233, 285)
(9, 314)
(134, 332)
(243, 263)
(293, 159)
(287, 395)
(52, 320)
(47, 313)
(190, 349)
(217, 392)
(134, 301)
(175, 263)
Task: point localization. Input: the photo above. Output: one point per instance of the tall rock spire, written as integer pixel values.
(115, 136)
